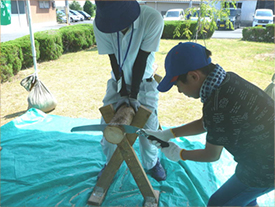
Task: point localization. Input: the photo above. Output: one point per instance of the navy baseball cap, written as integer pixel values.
(181, 59)
(114, 16)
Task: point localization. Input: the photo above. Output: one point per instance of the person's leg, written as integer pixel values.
(235, 193)
(148, 97)
(111, 97)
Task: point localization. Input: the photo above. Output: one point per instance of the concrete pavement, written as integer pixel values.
(9, 32)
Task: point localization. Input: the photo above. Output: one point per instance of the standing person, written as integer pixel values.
(130, 34)
(237, 116)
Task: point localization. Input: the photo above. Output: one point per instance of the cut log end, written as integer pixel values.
(114, 134)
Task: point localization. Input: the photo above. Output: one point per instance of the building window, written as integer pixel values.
(20, 9)
(44, 4)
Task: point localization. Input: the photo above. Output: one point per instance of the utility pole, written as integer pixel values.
(190, 4)
(67, 11)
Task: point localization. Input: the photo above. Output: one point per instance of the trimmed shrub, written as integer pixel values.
(270, 32)
(11, 60)
(77, 37)
(184, 30)
(50, 44)
(26, 47)
(259, 34)
(17, 53)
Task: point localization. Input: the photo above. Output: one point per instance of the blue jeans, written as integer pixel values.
(235, 193)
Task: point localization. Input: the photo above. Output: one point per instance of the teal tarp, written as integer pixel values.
(44, 164)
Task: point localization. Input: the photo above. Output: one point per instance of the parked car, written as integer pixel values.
(85, 14)
(74, 12)
(61, 16)
(73, 17)
(262, 17)
(174, 14)
(234, 17)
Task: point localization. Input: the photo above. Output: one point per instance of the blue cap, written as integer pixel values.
(181, 59)
(114, 16)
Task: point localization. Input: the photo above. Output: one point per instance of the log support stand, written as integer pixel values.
(124, 152)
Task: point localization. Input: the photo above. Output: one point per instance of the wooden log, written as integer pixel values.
(114, 133)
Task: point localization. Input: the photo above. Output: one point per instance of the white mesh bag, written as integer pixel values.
(39, 97)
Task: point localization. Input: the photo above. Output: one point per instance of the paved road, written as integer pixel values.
(228, 34)
(11, 33)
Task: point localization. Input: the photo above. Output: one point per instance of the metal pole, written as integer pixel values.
(32, 38)
(18, 13)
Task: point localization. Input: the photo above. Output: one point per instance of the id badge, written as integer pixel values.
(119, 84)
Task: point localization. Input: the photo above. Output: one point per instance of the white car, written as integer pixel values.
(174, 14)
(73, 17)
(262, 17)
(76, 13)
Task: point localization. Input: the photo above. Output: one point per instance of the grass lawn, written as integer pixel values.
(78, 80)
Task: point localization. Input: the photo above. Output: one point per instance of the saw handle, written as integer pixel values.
(162, 143)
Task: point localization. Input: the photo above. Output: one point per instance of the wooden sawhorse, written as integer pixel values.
(125, 152)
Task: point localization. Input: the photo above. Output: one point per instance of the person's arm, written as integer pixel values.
(115, 68)
(138, 72)
(192, 128)
(210, 153)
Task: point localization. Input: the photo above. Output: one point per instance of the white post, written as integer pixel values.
(32, 37)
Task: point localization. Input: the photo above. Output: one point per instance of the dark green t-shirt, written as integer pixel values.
(240, 117)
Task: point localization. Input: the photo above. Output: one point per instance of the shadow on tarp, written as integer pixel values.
(44, 164)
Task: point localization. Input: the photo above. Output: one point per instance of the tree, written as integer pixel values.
(89, 7)
(207, 15)
(75, 6)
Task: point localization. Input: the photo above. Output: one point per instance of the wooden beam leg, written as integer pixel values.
(105, 179)
(138, 173)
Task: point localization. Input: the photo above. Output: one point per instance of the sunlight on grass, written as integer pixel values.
(78, 80)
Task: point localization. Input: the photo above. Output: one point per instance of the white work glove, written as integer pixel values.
(121, 101)
(164, 135)
(134, 103)
(173, 152)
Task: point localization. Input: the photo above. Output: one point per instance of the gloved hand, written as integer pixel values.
(121, 101)
(173, 152)
(164, 135)
(134, 103)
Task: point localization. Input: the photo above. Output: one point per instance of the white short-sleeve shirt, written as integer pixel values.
(148, 29)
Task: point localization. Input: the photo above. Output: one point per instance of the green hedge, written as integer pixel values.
(77, 37)
(50, 45)
(11, 60)
(170, 28)
(259, 34)
(25, 44)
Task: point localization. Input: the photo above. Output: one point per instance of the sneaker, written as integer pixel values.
(101, 171)
(158, 172)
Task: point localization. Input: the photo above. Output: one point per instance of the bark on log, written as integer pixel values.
(114, 133)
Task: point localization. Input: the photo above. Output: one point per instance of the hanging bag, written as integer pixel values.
(39, 97)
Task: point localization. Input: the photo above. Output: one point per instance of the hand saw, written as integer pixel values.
(127, 128)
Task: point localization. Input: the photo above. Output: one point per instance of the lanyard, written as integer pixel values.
(121, 65)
